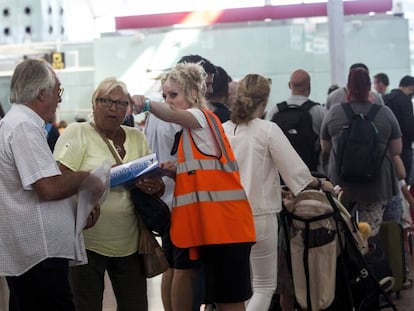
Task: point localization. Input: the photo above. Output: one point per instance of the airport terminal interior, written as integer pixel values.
(137, 41)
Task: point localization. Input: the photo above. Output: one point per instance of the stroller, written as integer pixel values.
(326, 255)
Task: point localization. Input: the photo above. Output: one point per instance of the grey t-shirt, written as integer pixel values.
(388, 129)
(339, 96)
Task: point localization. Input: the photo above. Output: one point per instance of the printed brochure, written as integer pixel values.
(146, 167)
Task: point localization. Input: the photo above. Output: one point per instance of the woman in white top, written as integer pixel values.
(263, 152)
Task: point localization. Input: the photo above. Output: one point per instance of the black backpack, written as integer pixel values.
(296, 123)
(357, 155)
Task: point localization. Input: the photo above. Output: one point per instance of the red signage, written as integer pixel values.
(267, 12)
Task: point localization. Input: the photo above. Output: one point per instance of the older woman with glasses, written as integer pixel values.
(112, 244)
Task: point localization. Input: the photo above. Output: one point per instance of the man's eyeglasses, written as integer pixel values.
(107, 102)
(60, 93)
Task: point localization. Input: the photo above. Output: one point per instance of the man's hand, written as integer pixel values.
(93, 217)
(94, 186)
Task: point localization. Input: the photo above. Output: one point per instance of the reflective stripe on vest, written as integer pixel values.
(206, 165)
(209, 196)
(211, 163)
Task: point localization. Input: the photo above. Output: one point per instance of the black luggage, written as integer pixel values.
(392, 237)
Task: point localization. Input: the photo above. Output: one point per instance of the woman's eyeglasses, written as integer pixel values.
(107, 102)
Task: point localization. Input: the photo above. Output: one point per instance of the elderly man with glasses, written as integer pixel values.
(37, 214)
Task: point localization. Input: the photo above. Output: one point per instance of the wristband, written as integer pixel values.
(147, 105)
(402, 183)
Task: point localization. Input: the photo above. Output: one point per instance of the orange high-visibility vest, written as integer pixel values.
(210, 205)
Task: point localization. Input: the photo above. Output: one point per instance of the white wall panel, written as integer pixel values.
(31, 21)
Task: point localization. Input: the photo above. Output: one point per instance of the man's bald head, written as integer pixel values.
(299, 83)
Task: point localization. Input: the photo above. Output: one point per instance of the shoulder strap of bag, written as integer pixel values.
(307, 105)
(114, 153)
(373, 112)
(281, 106)
(348, 110)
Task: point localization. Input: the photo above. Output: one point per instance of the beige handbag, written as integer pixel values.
(153, 258)
(323, 248)
(323, 244)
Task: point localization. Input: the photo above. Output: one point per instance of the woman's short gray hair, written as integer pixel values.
(106, 86)
(29, 78)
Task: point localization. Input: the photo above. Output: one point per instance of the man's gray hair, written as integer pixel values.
(29, 78)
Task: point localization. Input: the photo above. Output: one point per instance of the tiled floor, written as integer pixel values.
(109, 304)
(405, 303)
(154, 295)
(406, 300)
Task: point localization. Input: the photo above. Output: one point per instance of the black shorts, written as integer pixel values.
(178, 258)
(226, 268)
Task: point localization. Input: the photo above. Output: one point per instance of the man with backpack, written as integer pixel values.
(340, 95)
(300, 119)
(360, 139)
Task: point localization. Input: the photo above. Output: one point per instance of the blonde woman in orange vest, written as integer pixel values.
(211, 216)
(262, 152)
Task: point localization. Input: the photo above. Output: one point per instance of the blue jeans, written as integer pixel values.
(127, 277)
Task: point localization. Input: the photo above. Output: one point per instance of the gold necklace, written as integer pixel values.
(118, 148)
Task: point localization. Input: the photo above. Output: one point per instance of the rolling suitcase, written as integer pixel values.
(392, 238)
